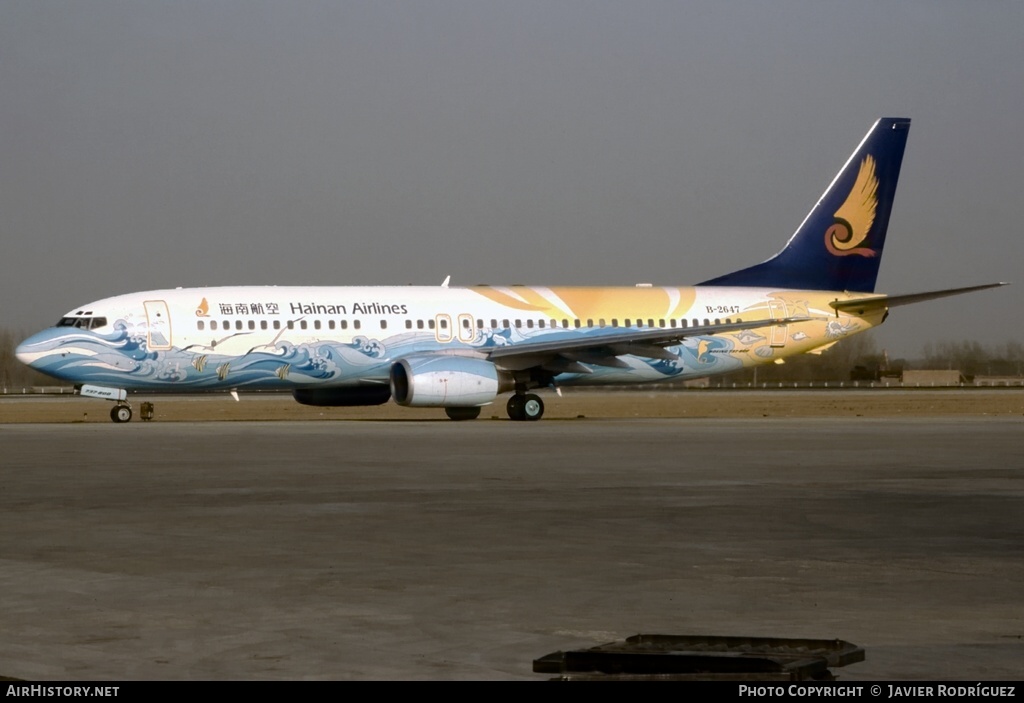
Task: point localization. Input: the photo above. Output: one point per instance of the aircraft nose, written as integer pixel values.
(24, 351)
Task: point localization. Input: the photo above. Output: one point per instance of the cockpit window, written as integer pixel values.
(82, 323)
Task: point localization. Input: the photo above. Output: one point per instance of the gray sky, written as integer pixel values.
(156, 144)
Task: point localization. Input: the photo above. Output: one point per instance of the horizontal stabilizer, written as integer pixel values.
(862, 305)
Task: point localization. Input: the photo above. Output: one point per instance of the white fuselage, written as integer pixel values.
(301, 337)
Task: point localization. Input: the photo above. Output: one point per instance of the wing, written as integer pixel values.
(605, 348)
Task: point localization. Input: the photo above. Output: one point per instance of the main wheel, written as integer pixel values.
(533, 407)
(121, 413)
(462, 413)
(514, 407)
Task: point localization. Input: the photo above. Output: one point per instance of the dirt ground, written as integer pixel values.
(574, 405)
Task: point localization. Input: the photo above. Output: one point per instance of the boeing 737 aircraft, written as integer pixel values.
(459, 348)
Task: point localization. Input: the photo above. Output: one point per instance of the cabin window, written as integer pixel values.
(661, 323)
(303, 324)
(479, 324)
(213, 324)
(201, 325)
(519, 323)
(356, 324)
(615, 322)
(252, 324)
(431, 324)
(706, 322)
(504, 324)
(408, 324)
(577, 323)
(540, 323)
(465, 323)
(330, 324)
(444, 323)
(238, 324)
(344, 324)
(672, 322)
(383, 324)
(529, 324)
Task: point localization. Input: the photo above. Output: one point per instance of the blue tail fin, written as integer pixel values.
(839, 244)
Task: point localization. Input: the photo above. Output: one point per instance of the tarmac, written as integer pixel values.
(429, 549)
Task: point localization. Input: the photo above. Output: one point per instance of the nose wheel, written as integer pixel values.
(122, 412)
(525, 407)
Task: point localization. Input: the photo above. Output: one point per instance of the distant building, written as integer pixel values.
(933, 377)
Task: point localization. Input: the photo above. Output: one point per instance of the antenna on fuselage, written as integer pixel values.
(446, 279)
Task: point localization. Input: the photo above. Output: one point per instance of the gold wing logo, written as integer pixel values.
(854, 218)
(203, 310)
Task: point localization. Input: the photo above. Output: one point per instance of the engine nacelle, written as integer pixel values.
(444, 382)
(343, 397)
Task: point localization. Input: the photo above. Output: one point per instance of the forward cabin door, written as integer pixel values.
(158, 322)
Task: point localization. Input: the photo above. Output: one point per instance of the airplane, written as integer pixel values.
(459, 348)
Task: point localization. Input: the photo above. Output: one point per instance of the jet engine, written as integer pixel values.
(445, 381)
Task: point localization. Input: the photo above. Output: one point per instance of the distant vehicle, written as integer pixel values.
(459, 348)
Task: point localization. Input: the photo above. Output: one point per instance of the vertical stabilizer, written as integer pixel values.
(839, 244)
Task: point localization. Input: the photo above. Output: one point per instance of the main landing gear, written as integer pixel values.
(525, 406)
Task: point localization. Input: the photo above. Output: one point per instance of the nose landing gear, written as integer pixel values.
(122, 412)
